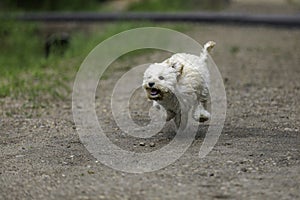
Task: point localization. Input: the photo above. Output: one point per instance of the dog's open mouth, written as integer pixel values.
(154, 93)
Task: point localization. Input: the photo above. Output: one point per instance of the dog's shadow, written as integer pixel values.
(170, 131)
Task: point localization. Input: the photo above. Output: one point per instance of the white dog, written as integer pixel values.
(180, 81)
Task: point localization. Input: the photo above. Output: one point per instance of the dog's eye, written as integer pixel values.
(161, 78)
(173, 66)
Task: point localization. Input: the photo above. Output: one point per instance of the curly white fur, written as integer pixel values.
(183, 76)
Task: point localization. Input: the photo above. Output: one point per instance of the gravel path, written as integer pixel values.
(256, 157)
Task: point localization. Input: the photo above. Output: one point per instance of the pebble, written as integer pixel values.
(142, 144)
(244, 169)
(45, 176)
(152, 144)
(288, 129)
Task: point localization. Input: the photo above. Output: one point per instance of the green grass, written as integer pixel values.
(51, 5)
(26, 73)
(24, 69)
(177, 5)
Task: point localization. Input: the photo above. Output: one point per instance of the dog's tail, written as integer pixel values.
(207, 48)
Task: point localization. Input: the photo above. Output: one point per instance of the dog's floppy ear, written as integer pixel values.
(178, 67)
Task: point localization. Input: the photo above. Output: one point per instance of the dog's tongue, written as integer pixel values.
(154, 91)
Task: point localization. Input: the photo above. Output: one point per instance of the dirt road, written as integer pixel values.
(256, 157)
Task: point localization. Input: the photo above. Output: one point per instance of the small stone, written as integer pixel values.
(142, 144)
(45, 176)
(288, 129)
(244, 169)
(242, 162)
(152, 144)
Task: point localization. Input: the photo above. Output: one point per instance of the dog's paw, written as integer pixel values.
(201, 115)
(204, 116)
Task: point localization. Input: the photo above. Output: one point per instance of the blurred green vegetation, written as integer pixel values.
(23, 66)
(50, 5)
(97, 5)
(178, 5)
(25, 72)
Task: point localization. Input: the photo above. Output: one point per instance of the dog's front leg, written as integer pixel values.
(177, 120)
(170, 115)
(200, 113)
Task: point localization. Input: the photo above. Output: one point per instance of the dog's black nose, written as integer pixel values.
(151, 84)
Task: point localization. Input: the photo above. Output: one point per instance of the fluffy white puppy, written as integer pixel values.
(180, 81)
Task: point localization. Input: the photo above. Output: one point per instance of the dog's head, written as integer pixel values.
(160, 80)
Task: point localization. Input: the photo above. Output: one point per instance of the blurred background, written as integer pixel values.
(42, 57)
